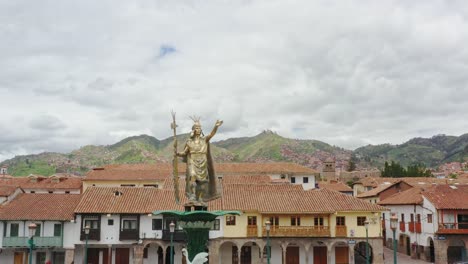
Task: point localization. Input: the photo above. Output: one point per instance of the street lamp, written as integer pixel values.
(267, 227)
(366, 224)
(172, 229)
(86, 231)
(32, 230)
(393, 226)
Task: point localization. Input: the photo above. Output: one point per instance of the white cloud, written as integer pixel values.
(345, 72)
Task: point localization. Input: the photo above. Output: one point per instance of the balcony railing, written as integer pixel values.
(402, 226)
(94, 234)
(341, 231)
(453, 228)
(38, 242)
(252, 231)
(179, 235)
(298, 231)
(129, 234)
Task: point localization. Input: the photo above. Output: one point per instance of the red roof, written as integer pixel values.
(28, 206)
(448, 196)
(410, 196)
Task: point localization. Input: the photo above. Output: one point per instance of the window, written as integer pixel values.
(252, 220)
(150, 185)
(305, 180)
(129, 224)
(418, 218)
(403, 217)
(51, 191)
(293, 179)
(411, 218)
(127, 185)
(57, 230)
(230, 220)
(32, 192)
(157, 224)
(295, 220)
(40, 257)
(38, 230)
(340, 221)
(361, 220)
(216, 225)
(91, 221)
(318, 221)
(429, 218)
(110, 222)
(274, 220)
(14, 229)
(67, 192)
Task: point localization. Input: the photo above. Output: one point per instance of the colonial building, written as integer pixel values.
(433, 222)
(54, 217)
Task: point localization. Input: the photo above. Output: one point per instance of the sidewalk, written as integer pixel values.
(401, 258)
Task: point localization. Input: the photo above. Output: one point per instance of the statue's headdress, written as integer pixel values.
(196, 123)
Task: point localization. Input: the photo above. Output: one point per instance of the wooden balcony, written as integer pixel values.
(341, 231)
(252, 231)
(298, 231)
(94, 234)
(179, 236)
(453, 228)
(39, 242)
(402, 226)
(414, 227)
(129, 234)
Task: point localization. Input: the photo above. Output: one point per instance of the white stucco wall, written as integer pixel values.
(427, 229)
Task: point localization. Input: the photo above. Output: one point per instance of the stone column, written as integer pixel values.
(329, 253)
(283, 248)
(138, 254)
(351, 253)
(213, 248)
(164, 254)
(440, 251)
(377, 250)
(69, 255)
(306, 251)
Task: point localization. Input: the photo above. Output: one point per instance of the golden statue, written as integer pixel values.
(200, 178)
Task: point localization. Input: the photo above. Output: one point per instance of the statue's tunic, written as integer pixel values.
(197, 162)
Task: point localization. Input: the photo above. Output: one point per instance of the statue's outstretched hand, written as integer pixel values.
(218, 123)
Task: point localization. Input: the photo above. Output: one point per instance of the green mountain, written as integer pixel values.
(431, 152)
(266, 146)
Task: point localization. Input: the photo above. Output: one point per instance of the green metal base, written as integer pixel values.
(197, 225)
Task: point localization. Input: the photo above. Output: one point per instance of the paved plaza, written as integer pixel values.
(401, 258)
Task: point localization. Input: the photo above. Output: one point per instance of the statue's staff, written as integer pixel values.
(175, 171)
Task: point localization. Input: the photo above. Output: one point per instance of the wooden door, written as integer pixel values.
(246, 255)
(19, 257)
(105, 256)
(93, 255)
(292, 255)
(320, 255)
(341, 255)
(122, 256)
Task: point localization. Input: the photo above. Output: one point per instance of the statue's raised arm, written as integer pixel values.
(215, 128)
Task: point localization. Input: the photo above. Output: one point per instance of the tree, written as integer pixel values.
(352, 163)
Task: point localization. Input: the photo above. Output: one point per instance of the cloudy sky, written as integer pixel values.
(350, 73)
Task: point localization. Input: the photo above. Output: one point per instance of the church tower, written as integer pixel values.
(328, 170)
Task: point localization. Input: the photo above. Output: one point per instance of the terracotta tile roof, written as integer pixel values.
(377, 190)
(160, 171)
(421, 181)
(448, 196)
(338, 186)
(28, 206)
(132, 200)
(43, 182)
(290, 198)
(265, 198)
(410, 196)
(7, 190)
